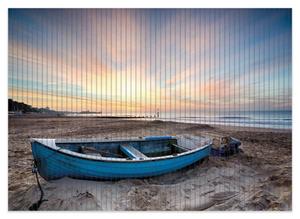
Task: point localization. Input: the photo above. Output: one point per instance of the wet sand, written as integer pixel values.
(258, 178)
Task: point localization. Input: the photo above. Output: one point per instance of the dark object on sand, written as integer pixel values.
(113, 159)
(224, 147)
(35, 206)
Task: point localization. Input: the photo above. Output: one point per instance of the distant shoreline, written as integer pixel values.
(79, 115)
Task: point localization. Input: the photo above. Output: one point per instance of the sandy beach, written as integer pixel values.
(258, 178)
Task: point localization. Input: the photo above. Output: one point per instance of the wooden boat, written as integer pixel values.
(115, 159)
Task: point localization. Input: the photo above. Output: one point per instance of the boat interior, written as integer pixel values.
(131, 150)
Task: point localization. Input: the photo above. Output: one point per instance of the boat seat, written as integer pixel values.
(132, 153)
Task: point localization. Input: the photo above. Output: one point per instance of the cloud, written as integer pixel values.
(129, 60)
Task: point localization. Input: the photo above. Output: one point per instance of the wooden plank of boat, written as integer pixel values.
(90, 151)
(132, 152)
(180, 147)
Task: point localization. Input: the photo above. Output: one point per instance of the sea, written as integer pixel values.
(258, 119)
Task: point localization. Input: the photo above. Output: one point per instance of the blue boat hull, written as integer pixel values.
(53, 164)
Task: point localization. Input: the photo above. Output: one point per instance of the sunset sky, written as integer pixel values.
(135, 61)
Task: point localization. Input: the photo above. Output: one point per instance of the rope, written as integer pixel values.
(35, 206)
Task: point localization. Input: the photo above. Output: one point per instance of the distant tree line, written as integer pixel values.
(14, 106)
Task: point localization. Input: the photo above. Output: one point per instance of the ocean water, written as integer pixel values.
(259, 119)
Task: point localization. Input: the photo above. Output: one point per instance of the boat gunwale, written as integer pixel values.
(111, 159)
(95, 140)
